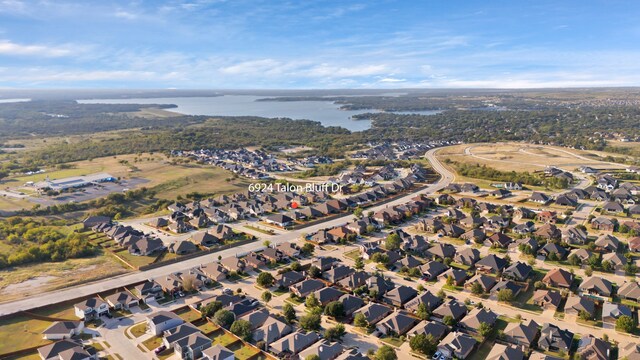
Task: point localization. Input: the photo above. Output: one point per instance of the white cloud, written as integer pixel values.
(8, 47)
(127, 15)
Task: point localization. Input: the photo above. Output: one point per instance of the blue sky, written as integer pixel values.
(274, 44)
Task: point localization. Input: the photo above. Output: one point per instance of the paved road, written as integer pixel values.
(130, 278)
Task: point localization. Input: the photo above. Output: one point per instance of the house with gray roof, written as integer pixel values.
(457, 344)
(476, 317)
(306, 287)
(374, 312)
(398, 323)
(451, 308)
(523, 334)
(399, 296)
(505, 352)
(612, 311)
(426, 297)
(218, 352)
(293, 343)
(63, 330)
(433, 328)
(552, 338)
(324, 349)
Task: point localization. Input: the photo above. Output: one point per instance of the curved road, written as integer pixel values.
(138, 276)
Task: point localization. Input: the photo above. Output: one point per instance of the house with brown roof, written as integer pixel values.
(558, 277)
(547, 299)
(522, 334)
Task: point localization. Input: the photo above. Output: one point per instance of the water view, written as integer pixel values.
(326, 112)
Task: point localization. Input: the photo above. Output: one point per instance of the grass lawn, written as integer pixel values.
(208, 327)
(152, 343)
(393, 341)
(30, 356)
(63, 311)
(225, 339)
(353, 254)
(294, 301)
(21, 332)
(139, 329)
(136, 261)
(187, 314)
(38, 278)
(246, 352)
(279, 292)
(97, 346)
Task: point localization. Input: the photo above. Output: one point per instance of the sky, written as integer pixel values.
(314, 44)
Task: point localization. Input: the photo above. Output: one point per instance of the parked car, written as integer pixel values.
(436, 355)
(160, 349)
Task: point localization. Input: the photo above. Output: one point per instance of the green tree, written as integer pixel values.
(584, 315)
(476, 288)
(210, 309)
(450, 280)
(424, 344)
(625, 323)
(223, 318)
(334, 309)
(289, 312)
(357, 212)
(314, 272)
(484, 329)
(295, 266)
(335, 333)
(265, 279)
(448, 320)
(574, 260)
(386, 352)
(312, 301)
(392, 242)
(307, 249)
(505, 295)
(360, 320)
(266, 296)
(359, 265)
(606, 266)
(310, 322)
(241, 328)
(423, 312)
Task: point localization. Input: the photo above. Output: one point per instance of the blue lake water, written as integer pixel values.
(326, 112)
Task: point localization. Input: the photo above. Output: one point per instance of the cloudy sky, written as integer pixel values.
(318, 44)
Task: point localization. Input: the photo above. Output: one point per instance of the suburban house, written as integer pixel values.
(398, 323)
(523, 334)
(399, 295)
(159, 322)
(63, 330)
(374, 312)
(91, 308)
(457, 344)
(552, 338)
(191, 347)
(505, 352)
(593, 348)
(558, 277)
(306, 287)
(217, 352)
(547, 299)
(122, 300)
(293, 343)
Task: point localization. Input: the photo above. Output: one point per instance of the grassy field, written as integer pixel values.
(168, 178)
(21, 332)
(28, 280)
(520, 157)
(11, 203)
(58, 311)
(134, 260)
(187, 314)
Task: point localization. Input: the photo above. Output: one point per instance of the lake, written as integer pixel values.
(326, 112)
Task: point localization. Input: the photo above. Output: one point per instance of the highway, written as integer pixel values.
(138, 276)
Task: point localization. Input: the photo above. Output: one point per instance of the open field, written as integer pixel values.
(523, 157)
(21, 332)
(11, 203)
(28, 280)
(167, 178)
